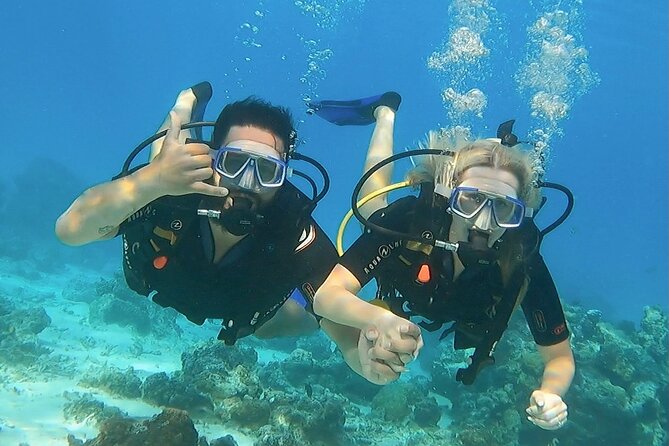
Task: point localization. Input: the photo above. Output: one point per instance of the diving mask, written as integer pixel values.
(248, 165)
(468, 202)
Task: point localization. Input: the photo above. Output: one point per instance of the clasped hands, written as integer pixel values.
(547, 410)
(387, 346)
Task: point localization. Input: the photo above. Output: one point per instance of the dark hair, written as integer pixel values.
(259, 113)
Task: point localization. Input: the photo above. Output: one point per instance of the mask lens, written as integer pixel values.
(504, 210)
(508, 213)
(232, 162)
(468, 202)
(269, 171)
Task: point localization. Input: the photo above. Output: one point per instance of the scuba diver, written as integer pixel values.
(214, 229)
(464, 252)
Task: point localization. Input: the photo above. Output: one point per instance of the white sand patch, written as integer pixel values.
(265, 355)
(32, 412)
(31, 405)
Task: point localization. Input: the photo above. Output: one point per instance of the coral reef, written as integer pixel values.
(620, 390)
(301, 369)
(426, 412)
(312, 398)
(398, 402)
(228, 440)
(172, 427)
(164, 391)
(306, 395)
(19, 327)
(116, 304)
(122, 383)
(246, 411)
(84, 407)
(220, 371)
(619, 394)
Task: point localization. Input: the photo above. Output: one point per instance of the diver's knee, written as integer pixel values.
(310, 324)
(297, 317)
(264, 333)
(290, 320)
(292, 309)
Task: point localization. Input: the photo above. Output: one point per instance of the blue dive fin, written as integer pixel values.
(202, 92)
(356, 111)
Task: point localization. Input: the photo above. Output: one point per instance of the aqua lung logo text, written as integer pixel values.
(382, 253)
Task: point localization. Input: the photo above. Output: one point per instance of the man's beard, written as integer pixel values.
(240, 211)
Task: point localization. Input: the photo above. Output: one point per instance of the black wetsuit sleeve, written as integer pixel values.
(313, 259)
(366, 257)
(542, 307)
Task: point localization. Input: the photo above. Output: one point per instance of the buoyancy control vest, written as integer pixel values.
(164, 258)
(479, 303)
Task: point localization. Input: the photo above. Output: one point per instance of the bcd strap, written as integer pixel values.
(231, 331)
(483, 355)
(283, 235)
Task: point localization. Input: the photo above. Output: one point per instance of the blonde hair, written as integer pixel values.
(467, 153)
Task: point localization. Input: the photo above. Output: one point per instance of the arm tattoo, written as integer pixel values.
(105, 229)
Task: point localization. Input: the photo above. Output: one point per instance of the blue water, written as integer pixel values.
(83, 84)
